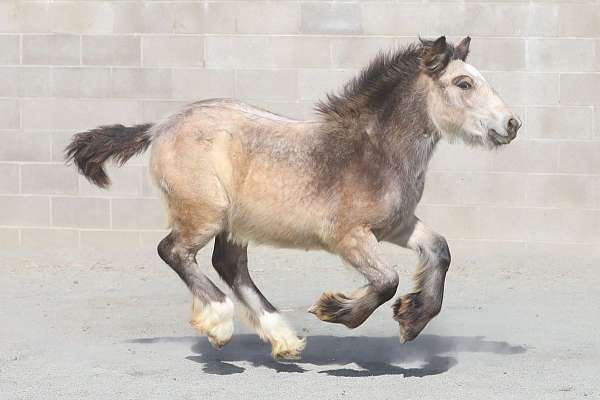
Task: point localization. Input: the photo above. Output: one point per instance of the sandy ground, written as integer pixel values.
(114, 326)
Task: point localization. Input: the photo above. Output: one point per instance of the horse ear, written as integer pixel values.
(437, 56)
(462, 50)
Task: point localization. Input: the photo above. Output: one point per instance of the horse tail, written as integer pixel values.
(90, 150)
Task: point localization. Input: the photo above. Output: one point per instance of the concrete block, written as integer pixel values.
(111, 50)
(264, 17)
(581, 226)
(24, 211)
(81, 16)
(207, 17)
(543, 19)
(157, 110)
(144, 17)
(564, 191)
(138, 214)
(24, 16)
(9, 49)
(579, 157)
(559, 122)
(9, 238)
(141, 82)
(109, 239)
(25, 81)
(326, 17)
(126, 182)
(475, 19)
(527, 156)
(196, 84)
(267, 84)
(356, 53)
(58, 49)
(524, 88)
(458, 157)
(25, 147)
(313, 84)
(497, 189)
(498, 54)
(9, 114)
(443, 188)
(80, 212)
(46, 114)
(267, 52)
(151, 239)
(9, 181)
(560, 55)
(580, 89)
(173, 51)
(392, 18)
(49, 238)
(81, 82)
(582, 20)
(48, 179)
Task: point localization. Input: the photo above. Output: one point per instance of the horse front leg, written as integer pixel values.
(360, 249)
(414, 310)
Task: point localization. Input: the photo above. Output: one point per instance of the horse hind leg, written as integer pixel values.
(212, 310)
(231, 262)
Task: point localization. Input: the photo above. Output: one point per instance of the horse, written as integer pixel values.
(342, 182)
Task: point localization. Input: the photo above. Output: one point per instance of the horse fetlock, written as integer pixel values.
(214, 319)
(336, 308)
(272, 327)
(289, 349)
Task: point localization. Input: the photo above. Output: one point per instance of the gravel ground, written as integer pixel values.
(112, 325)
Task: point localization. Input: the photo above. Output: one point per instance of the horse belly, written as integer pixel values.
(277, 226)
(278, 209)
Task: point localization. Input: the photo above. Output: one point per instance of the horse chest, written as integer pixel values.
(418, 186)
(401, 199)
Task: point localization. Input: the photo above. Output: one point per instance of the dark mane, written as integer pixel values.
(387, 72)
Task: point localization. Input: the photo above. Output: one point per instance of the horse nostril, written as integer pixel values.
(513, 127)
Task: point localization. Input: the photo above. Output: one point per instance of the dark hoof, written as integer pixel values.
(410, 314)
(335, 308)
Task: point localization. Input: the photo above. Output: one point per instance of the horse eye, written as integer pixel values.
(464, 85)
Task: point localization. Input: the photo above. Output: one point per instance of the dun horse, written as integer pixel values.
(341, 183)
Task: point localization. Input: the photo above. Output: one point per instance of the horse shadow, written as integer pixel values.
(375, 356)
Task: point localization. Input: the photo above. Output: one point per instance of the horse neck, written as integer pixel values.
(410, 138)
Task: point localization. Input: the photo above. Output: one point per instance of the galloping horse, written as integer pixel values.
(341, 183)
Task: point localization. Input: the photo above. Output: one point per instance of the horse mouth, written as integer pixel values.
(498, 139)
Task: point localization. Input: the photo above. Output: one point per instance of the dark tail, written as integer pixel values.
(90, 150)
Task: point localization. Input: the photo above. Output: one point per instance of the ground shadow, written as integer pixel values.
(374, 355)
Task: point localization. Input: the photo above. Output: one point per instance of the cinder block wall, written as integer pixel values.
(67, 66)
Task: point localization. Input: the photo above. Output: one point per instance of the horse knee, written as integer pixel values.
(388, 285)
(443, 253)
(440, 252)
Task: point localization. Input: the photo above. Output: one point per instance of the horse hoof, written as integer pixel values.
(217, 343)
(290, 350)
(406, 334)
(410, 316)
(215, 320)
(287, 355)
(335, 308)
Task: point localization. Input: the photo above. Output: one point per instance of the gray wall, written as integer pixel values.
(67, 66)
